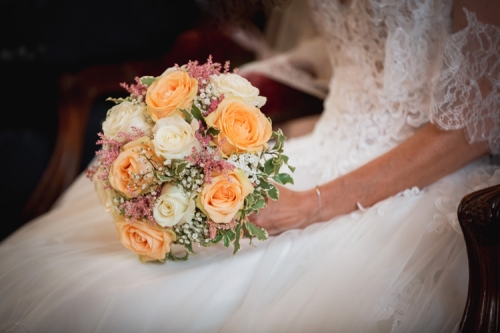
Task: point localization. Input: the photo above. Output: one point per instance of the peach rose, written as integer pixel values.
(245, 127)
(132, 173)
(172, 91)
(140, 237)
(224, 197)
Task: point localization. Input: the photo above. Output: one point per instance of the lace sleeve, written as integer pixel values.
(467, 91)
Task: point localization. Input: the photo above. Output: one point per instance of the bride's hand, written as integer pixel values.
(292, 210)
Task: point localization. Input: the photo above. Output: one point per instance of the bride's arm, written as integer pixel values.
(424, 158)
(427, 156)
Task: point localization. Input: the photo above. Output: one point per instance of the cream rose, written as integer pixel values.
(106, 196)
(245, 127)
(234, 85)
(174, 138)
(169, 93)
(173, 207)
(150, 243)
(122, 117)
(132, 171)
(224, 197)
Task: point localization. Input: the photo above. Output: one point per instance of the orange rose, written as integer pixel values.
(132, 173)
(172, 91)
(245, 127)
(224, 197)
(140, 237)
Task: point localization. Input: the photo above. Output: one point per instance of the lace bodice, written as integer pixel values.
(397, 66)
(383, 55)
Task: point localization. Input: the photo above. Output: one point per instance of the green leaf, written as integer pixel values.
(189, 247)
(280, 139)
(116, 100)
(277, 165)
(265, 184)
(273, 193)
(164, 178)
(236, 243)
(260, 233)
(213, 131)
(269, 166)
(147, 80)
(247, 233)
(217, 238)
(249, 200)
(285, 160)
(172, 257)
(228, 236)
(180, 167)
(197, 113)
(259, 204)
(283, 178)
(187, 116)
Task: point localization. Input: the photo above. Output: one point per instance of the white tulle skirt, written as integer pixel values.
(398, 266)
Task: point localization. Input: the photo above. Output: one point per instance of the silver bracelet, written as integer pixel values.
(318, 193)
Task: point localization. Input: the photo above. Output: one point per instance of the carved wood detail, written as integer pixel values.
(479, 217)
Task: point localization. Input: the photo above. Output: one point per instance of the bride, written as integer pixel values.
(367, 240)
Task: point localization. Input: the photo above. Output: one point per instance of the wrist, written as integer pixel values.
(310, 206)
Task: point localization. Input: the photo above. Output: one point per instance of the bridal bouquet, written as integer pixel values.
(185, 159)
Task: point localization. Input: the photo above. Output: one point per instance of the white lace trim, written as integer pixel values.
(471, 60)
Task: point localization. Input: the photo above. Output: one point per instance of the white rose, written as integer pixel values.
(234, 85)
(173, 207)
(106, 196)
(122, 117)
(174, 138)
(169, 70)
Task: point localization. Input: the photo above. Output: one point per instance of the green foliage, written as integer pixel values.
(217, 238)
(170, 256)
(273, 193)
(164, 178)
(179, 168)
(118, 100)
(274, 161)
(189, 247)
(228, 236)
(213, 131)
(197, 114)
(187, 116)
(255, 231)
(283, 178)
(148, 80)
(236, 243)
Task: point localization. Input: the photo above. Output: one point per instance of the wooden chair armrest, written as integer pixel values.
(479, 217)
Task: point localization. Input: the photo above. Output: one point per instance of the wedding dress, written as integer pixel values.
(398, 266)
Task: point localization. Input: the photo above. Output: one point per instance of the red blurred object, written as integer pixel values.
(284, 102)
